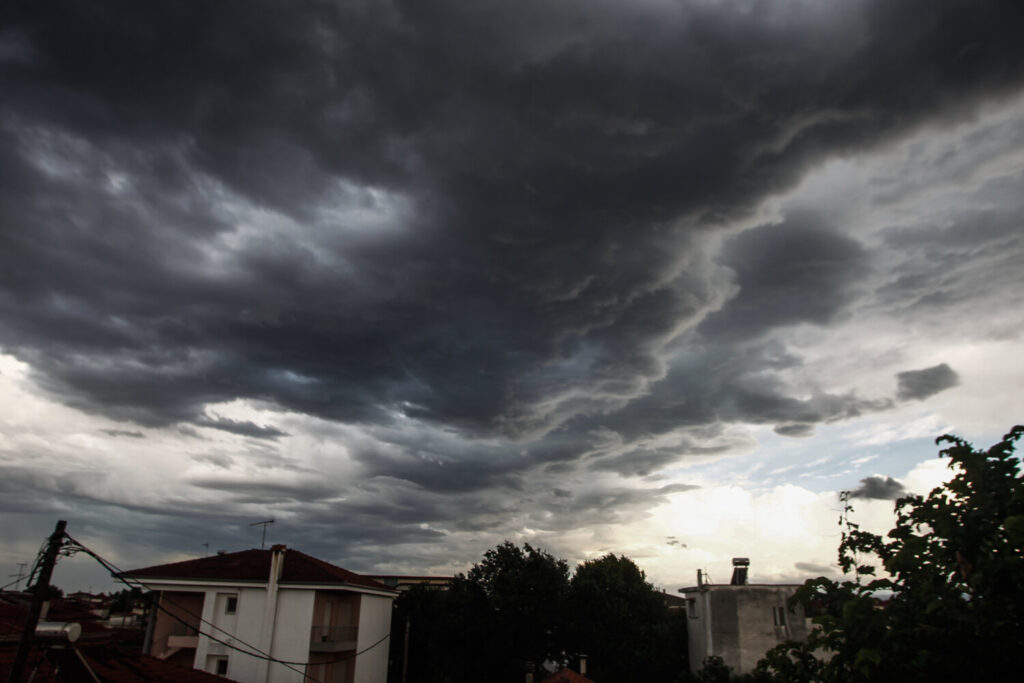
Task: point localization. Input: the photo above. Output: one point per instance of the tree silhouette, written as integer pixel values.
(951, 603)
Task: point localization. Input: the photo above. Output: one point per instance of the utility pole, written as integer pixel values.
(405, 650)
(40, 592)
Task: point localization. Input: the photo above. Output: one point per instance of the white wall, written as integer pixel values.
(244, 625)
(248, 622)
(290, 642)
(203, 647)
(374, 624)
(697, 616)
(291, 637)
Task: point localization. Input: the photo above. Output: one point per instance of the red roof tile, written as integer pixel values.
(566, 675)
(12, 617)
(254, 565)
(111, 663)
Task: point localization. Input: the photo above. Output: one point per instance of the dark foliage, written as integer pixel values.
(517, 609)
(623, 624)
(952, 604)
(126, 600)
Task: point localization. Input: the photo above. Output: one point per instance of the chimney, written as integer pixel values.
(739, 571)
(276, 562)
(700, 579)
(583, 665)
(270, 609)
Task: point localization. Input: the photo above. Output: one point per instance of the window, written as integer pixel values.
(691, 608)
(231, 604)
(779, 615)
(217, 665)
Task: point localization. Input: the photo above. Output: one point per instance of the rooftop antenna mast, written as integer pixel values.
(263, 541)
(22, 566)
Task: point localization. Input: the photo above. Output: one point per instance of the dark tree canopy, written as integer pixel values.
(954, 566)
(517, 608)
(623, 623)
(526, 588)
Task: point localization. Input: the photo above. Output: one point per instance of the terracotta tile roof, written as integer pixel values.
(566, 675)
(12, 617)
(254, 565)
(112, 664)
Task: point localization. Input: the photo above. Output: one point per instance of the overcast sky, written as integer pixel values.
(656, 277)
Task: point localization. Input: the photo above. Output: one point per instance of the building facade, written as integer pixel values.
(739, 622)
(269, 616)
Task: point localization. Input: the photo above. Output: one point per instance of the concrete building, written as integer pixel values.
(739, 622)
(270, 616)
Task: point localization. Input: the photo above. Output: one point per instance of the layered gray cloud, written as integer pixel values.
(484, 247)
(241, 427)
(880, 488)
(920, 384)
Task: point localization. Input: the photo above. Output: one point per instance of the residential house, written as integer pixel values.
(269, 616)
(739, 622)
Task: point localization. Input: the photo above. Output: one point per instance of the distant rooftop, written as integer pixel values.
(694, 589)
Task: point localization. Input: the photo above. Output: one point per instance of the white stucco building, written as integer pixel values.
(739, 621)
(270, 616)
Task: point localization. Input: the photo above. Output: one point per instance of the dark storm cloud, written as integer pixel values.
(605, 505)
(732, 381)
(123, 432)
(800, 271)
(218, 460)
(794, 429)
(547, 159)
(249, 491)
(479, 231)
(920, 384)
(241, 427)
(878, 488)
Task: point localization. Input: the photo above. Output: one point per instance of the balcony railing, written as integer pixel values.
(333, 638)
(182, 635)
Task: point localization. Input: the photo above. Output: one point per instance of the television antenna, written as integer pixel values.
(264, 523)
(20, 575)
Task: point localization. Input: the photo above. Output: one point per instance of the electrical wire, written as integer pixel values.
(120, 575)
(35, 565)
(13, 627)
(17, 580)
(252, 650)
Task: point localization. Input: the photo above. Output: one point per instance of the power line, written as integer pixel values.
(252, 651)
(120, 574)
(18, 580)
